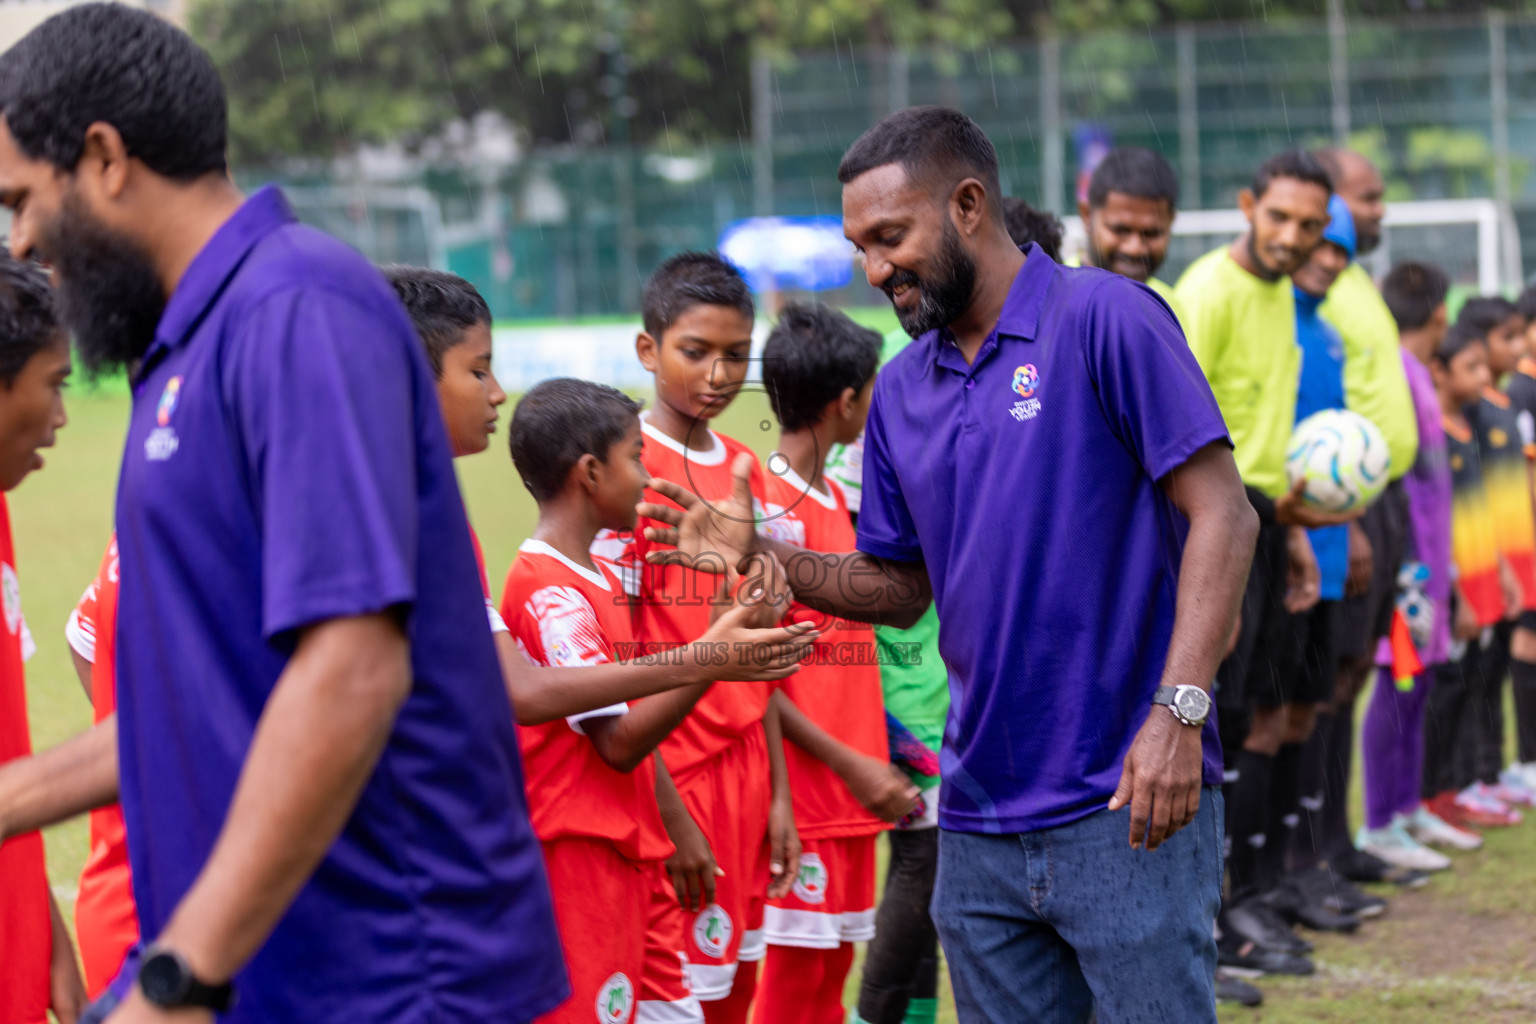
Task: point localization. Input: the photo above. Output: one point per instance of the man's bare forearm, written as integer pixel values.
(853, 585)
(323, 729)
(1218, 552)
(63, 782)
(624, 741)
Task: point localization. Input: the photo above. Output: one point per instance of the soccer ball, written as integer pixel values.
(1341, 459)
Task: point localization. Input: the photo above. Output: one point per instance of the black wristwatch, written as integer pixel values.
(1190, 704)
(167, 982)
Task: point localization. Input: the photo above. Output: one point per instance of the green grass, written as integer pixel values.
(1462, 950)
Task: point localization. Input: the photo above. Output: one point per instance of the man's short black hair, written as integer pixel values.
(1296, 164)
(813, 353)
(560, 420)
(1485, 312)
(27, 323)
(938, 148)
(1458, 338)
(1413, 291)
(692, 279)
(442, 306)
(1026, 224)
(1525, 302)
(1137, 172)
(126, 67)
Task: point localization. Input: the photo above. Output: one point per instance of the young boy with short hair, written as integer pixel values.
(1520, 387)
(591, 778)
(819, 371)
(737, 841)
(1460, 370)
(1506, 476)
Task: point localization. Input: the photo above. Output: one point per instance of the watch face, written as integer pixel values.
(165, 980)
(1192, 703)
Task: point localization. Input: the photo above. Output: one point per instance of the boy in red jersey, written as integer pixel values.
(106, 922)
(592, 779)
(39, 971)
(819, 371)
(737, 842)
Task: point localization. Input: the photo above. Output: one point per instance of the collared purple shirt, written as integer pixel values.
(286, 464)
(1027, 484)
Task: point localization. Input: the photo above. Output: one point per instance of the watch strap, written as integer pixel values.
(1164, 694)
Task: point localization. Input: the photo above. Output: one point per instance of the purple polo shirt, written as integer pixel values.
(286, 464)
(1027, 484)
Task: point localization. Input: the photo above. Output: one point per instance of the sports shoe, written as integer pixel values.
(1527, 772)
(1394, 845)
(1293, 904)
(1484, 810)
(1429, 828)
(1358, 866)
(1242, 957)
(1512, 790)
(1232, 989)
(1256, 921)
(1338, 894)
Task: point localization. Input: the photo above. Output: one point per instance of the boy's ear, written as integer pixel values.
(649, 351)
(846, 401)
(1245, 202)
(586, 472)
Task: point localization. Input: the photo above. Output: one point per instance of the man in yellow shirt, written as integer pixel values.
(1238, 310)
(1376, 387)
(1128, 218)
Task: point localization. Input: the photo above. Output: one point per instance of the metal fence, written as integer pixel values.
(1446, 106)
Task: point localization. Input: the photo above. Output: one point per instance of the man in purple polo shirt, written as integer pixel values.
(1047, 458)
(319, 775)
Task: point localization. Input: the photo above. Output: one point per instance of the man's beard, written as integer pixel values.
(947, 292)
(107, 293)
(1365, 244)
(1096, 259)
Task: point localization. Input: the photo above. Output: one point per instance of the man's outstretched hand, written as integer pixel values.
(709, 536)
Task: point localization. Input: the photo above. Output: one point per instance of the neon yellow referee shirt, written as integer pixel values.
(1375, 385)
(1242, 331)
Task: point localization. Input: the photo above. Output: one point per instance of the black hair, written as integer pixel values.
(1134, 171)
(1485, 312)
(442, 307)
(1413, 291)
(813, 353)
(692, 279)
(1026, 224)
(1297, 164)
(937, 147)
(1457, 340)
(27, 322)
(1525, 302)
(129, 68)
(560, 420)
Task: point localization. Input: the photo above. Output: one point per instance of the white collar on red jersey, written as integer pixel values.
(714, 457)
(538, 547)
(789, 476)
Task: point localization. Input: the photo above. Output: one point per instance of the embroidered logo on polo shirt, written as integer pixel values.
(616, 999)
(162, 441)
(1026, 381)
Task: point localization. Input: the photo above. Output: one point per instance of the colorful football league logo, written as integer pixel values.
(168, 401)
(1025, 379)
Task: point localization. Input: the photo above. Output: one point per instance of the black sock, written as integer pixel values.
(1338, 754)
(1306, 846)
(1249, 811)
(1523, 678)
(1284, 814)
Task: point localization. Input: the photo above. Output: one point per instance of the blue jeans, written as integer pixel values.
(1048, 926)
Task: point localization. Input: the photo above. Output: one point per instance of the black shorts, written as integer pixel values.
(1368, 618)
(1262, 628)
(1527, 621)
(1300, 669)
